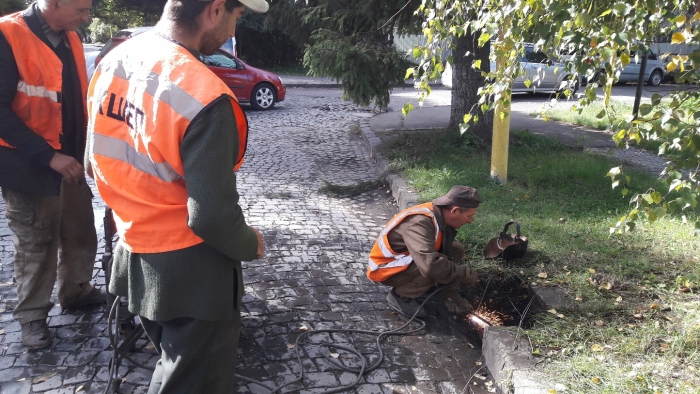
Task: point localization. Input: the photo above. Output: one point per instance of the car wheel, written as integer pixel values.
(573, 89)
(263, 97)
(655, 78)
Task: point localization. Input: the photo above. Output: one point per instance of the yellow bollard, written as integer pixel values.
(501, 132)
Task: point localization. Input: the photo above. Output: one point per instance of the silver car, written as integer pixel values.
(544, 74)
(654, 73)
(538, 69)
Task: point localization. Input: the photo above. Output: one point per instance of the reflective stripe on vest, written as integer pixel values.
(38, 99)
(383, 261)
(37, 91)
(141, 101)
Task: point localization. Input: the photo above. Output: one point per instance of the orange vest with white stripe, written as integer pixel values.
(38, 98)
(141, 101)
(383, 260)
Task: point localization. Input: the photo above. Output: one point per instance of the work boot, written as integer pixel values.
(95, 296)
(35, 334)
(407, 306)
(455, 303)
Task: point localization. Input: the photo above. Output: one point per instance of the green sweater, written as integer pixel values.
(203, 281)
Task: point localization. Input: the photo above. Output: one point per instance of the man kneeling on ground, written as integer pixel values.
(416, 250)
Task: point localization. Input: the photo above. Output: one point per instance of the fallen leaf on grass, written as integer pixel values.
(542, 275)
(596, 348)
(654, 306)
(599, 323)
(618, 299)
(595, 380)
(638, 316)
(591, 270)
(578, 298)
(552, 311)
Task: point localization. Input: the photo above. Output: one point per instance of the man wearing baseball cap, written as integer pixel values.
(165, 136)
(416, 250)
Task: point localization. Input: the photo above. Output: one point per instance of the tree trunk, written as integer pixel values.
(466, 82)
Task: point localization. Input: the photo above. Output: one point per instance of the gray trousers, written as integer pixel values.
(44, 227)
(196, 356)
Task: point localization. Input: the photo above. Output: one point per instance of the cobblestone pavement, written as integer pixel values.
(311, 277)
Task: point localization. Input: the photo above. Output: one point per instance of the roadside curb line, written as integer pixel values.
(404, 195)
(323, 85)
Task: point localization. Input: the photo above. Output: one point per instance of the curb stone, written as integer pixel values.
(404, 195)
(511, 363)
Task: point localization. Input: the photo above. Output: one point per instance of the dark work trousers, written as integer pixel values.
(196, 356)
(44, 228)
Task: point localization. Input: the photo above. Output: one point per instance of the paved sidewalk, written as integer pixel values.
(312, 276)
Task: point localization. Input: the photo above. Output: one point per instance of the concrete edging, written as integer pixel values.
(404, 195)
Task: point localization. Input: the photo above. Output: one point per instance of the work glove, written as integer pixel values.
(470, 279)
(455, 303)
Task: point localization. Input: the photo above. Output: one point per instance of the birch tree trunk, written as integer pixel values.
(466, 82)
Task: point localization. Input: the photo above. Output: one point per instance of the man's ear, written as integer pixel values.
(214, 12)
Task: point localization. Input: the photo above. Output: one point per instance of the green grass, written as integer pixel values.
(589, 115)
(635, 326)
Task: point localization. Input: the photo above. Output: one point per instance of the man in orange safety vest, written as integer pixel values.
(416, 250)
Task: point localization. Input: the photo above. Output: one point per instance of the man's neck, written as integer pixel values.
(47, 18)
(180, 35)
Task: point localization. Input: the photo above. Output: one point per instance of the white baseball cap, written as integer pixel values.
(259, 6)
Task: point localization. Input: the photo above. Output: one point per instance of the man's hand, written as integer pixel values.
(67, 166)
(455, 303)
(261, 244)
(469, 280)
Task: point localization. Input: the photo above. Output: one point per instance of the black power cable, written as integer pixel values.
(114, 340)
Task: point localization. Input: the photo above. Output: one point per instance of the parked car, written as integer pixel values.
(535, 63)
(259, 88)
(654, 73)
(90, 51)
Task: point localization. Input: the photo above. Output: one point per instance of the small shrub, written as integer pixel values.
(100, 31)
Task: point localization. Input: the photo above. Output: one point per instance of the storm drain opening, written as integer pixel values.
(498, 300)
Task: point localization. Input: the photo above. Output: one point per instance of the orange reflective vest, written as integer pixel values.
(141, 100)
(38, 98)
(383, 260)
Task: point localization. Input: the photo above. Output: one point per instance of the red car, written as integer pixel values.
(261, 89)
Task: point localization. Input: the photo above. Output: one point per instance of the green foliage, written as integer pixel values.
(100, 31)
(604, 36)
(367, 68)
(128, 13)
(353, 43)
(10, 6)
